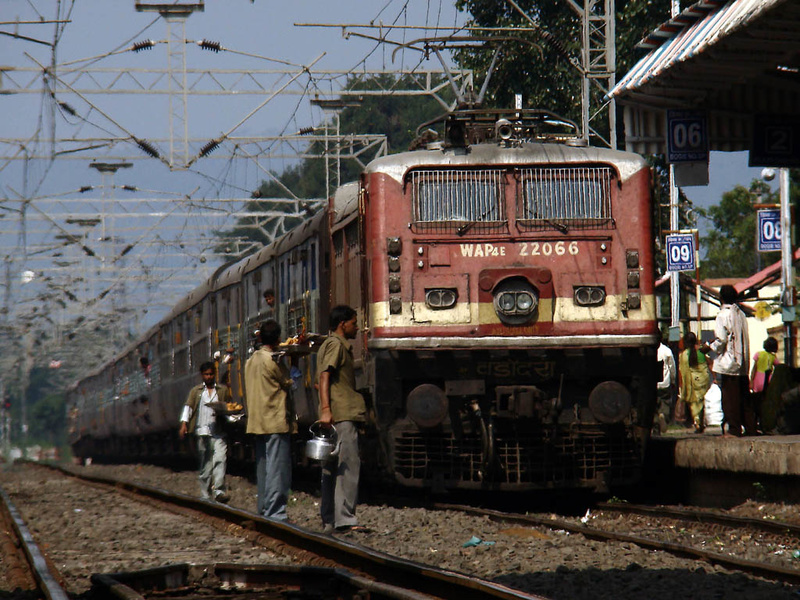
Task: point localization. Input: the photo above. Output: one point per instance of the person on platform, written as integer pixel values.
(732, 346)
(666, 387)
(763, 365)
(271, 420)
(200, 418)
(343, 407)
(694, 366)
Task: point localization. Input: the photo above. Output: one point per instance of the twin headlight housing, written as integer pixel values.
(515, 301)
(441, 298)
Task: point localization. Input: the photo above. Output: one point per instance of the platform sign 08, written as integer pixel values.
(680, 252)
(769, 230)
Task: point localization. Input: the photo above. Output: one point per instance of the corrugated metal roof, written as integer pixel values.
(734, 58)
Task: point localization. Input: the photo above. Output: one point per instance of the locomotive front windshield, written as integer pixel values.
(570, 196)
(452, 198)
(461, 200)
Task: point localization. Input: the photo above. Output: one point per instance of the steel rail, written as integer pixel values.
(46, 579)
(390, 570)
(765, 570)
(317, 582)
(717, 518)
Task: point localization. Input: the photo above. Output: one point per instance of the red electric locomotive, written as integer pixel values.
(509, 307)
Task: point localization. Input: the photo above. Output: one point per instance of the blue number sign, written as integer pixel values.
(687, 139)
(680, 252)
(769, 230)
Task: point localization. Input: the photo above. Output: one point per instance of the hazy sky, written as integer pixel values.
(254, 36)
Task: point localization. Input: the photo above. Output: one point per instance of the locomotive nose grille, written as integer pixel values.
(582, 459)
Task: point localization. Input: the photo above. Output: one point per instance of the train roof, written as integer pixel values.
(345, 202)
(397, 165)
(299, 234)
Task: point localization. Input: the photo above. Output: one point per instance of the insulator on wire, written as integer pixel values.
(209, 45)
(125, 250)
(209, 148)
(88, 251)
(85, 188)
(143, 45)
(67, 108)
(306, 131)
(146, 147)
(130, 188)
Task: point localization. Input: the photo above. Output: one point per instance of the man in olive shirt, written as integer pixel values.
(342, 405)
(270, 418)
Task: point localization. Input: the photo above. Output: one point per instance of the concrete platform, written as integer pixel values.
(711, 470)
(766, 454)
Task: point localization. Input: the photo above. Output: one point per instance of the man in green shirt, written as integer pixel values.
(271, 421)
(342, 405)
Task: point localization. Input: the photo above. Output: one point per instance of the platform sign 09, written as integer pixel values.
(680, 252)
(769, 230)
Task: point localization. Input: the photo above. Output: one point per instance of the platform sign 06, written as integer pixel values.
(687, 138)
(769, 230)
(680, 252)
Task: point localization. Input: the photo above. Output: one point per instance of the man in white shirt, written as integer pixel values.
(666, 387)
(199, 418)
(732, 345)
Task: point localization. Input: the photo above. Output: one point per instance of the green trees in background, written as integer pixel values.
(731, 244)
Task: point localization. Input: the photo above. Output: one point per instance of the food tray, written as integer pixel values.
(222, 408)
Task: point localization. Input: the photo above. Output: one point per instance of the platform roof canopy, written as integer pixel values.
(734, 59)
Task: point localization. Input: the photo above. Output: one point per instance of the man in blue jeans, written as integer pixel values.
(199, 418)
(271, 421)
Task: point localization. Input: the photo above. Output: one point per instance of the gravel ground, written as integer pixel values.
(555, 564)
(83, 530)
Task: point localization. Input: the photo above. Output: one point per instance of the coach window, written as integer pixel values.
(313, 252)
(223, 299)
(234, 308)
(305, 283)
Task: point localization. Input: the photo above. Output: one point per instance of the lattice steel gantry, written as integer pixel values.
(175, 16)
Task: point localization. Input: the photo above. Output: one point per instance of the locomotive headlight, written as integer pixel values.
(506, 302)
(515, 301)
(524, 301)
(589, 295)
(441, 298)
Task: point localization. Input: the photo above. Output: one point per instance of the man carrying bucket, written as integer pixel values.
(340, 403)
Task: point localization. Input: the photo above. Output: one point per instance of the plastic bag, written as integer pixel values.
(713, 405)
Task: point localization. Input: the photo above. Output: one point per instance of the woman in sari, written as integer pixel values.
(694, 367)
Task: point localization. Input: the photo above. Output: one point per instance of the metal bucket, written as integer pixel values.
(324, 444)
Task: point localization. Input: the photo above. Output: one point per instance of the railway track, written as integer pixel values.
(25, 567)
(351, 570)
(758, 568)
(704, 516)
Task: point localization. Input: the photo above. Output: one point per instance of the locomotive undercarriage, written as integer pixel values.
(519, 419)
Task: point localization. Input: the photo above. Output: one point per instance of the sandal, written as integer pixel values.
(353, 528)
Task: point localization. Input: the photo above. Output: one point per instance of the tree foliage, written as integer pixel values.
(541, 64)
(730, 246)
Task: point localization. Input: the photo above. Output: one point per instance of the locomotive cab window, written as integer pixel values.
(565, 198)
(457, 200)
